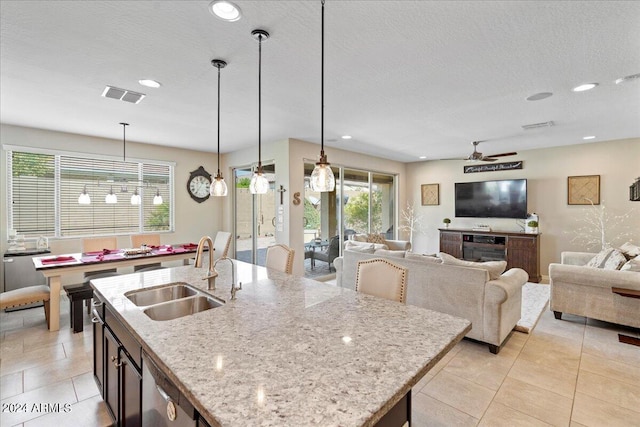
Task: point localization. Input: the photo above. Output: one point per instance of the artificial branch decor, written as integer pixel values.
(599, 227)
(411, 221)
(583, 190)
(430, 194)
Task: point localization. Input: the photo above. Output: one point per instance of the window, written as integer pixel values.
(43, 192)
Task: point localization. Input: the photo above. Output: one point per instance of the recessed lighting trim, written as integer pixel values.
(626, 79)
(422, 157)
(539, 96)
(346, 137)
(150, 83)
(225, 10)
(584, 87)
(588, 137)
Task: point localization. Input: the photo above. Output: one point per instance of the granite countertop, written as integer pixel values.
(278, 354)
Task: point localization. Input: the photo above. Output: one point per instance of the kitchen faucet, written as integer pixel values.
(212, 273)
(234, 289)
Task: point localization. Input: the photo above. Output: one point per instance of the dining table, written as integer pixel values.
(54, 267)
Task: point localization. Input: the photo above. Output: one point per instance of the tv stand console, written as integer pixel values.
(520, 250)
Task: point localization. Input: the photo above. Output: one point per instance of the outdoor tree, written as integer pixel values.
(311, 216)
(357, 212)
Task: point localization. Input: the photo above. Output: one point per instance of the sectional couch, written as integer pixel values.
(493, 305)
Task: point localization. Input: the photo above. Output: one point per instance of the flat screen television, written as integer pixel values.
(492, 199)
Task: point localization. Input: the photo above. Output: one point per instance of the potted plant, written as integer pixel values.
(533, 226)
(446, 222)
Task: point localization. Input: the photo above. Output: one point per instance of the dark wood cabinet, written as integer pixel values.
(520, 250)
(117, 362)
(451, 243)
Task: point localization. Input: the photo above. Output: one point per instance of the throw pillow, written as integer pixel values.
(366, 248)
(615, 261)
(376, 238)
(423, 258)
(393, 254)
(359, 238)
(600, 259)
(630, 250)
(494, 268)
(631, 265)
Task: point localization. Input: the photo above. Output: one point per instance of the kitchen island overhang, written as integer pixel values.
(288, 350)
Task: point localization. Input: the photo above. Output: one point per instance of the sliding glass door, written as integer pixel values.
(254, 225)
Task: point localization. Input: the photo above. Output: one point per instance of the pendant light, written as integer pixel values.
(111, 198)
(84, 198)
(259, 183)
(157, 199)
(135, 197)
(218, 187)
(322, 178)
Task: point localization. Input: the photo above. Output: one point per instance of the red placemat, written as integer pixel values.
(58, 260)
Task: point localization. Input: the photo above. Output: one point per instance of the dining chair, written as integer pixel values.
(280, 257)
(221, 244)
(137, 240)
(95, 244)
(381, 278)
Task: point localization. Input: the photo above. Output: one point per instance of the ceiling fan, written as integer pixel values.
(479, 157)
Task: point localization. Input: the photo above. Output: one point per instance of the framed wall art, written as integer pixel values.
(583, 190)
(430, 194)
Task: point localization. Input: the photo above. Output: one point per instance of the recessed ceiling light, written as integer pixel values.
(539, 96)
(422, 157)
(149, 83)
(225, 10)
(626, 79)
(583, 87)
(346, 136)
(589, 137)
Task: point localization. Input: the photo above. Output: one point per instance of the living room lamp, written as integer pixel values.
(259, 183)
(322, 178)
(218, 187)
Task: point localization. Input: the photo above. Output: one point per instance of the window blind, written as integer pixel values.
(44, 192)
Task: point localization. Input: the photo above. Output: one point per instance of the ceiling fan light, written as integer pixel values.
(218, 187)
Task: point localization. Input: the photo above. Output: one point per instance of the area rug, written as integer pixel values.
(534, 301)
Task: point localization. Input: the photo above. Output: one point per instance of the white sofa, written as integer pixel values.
(492, 306)
(586, 291)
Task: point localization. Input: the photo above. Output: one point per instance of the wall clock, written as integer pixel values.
(198, 184)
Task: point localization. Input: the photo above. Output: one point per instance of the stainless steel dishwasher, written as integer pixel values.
(19, 272)
(162, 403)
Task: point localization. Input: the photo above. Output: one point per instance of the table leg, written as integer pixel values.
(54, 303)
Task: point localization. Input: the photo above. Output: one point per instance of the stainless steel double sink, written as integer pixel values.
(172, 301)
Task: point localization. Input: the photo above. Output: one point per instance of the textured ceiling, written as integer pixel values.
(404, 78)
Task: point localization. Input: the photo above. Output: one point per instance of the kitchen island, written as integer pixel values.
(288, 351)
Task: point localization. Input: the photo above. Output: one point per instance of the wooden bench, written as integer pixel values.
(77, 294)
(25, 296)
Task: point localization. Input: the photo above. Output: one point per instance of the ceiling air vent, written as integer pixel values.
(537, 125)
(122, 94)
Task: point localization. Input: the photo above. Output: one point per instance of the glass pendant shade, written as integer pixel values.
(259, 183)
(111, 198)
(84, 198)
(218, 187)
(157, 199)
(322, 178)
(135, 198)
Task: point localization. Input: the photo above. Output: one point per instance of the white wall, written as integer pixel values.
(192, 220)
(617, 163)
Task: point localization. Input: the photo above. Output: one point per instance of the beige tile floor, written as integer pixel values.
(566, 373)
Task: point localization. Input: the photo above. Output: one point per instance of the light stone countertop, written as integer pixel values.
(276, 356)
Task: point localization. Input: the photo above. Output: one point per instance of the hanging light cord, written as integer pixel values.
(259, 102)
(218, 122)
(322, 90)
(124, 141)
